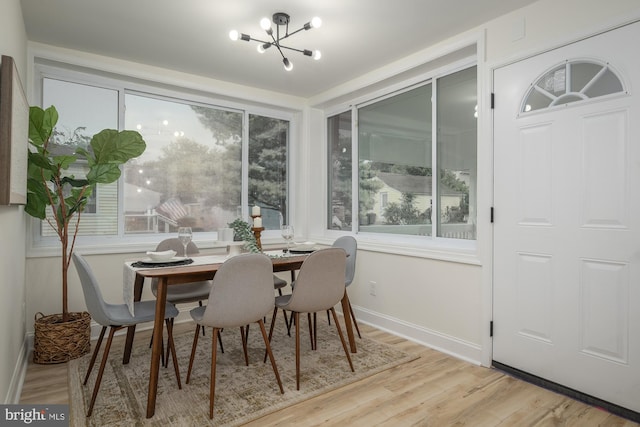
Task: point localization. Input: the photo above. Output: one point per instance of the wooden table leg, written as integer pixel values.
(346, 313)
(131, 330)
(161, 300)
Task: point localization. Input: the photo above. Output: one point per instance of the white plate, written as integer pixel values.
(304, 247)
(156, 261)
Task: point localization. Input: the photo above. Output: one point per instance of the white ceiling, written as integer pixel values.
(192, 35)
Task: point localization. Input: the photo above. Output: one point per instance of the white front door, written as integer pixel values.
(566, 285)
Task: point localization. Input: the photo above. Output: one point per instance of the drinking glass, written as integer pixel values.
(185, 234)
(287, 234)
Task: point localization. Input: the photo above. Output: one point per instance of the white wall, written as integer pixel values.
(442, 303)
(13, 42)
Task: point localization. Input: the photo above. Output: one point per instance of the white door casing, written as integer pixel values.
(566, 290)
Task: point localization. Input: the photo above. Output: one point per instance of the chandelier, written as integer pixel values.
(280, 19)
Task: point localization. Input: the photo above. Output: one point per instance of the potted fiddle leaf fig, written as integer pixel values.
(57, 196)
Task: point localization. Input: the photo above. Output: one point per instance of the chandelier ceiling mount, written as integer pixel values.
(281, 21)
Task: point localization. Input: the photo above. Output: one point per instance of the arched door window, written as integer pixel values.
(572, 81)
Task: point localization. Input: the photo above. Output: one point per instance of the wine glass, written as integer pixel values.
(287, 234)
(185, 234)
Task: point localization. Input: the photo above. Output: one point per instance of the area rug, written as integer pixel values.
(243, 393)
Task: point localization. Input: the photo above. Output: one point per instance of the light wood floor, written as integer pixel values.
(434, 390)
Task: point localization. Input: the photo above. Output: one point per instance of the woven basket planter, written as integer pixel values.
(56, 341)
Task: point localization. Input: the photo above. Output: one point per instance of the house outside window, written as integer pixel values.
(193, 171)
(398, 149)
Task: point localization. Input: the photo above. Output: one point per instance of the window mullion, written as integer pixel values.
(244, 197)
(122, 107)
(435, 176)
(355, 175)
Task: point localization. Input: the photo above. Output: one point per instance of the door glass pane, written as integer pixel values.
(571, 82)
(340, 163)
(83, 111)
(457, 154)
(190, 173)
(268, 142)
(394, 149)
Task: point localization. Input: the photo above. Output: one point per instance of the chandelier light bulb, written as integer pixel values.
(265, 24)
(317, 55)
(287, 64)
(316, 22)
(260, 48)
(233, 35)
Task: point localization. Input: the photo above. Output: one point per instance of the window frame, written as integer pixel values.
(458, 250)
(38, 245)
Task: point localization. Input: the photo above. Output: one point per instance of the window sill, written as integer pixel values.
(450, 250)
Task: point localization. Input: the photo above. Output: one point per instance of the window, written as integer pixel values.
(84, 110)
(384, 199)
(190, 175)
(569, 82)
(268, 144)
(339, 136)
(398, 150)
(193, 171)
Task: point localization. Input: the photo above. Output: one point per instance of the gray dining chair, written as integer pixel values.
(320, 285)
(350, 245)
(116, 317)
(241, 294)
(186, 292)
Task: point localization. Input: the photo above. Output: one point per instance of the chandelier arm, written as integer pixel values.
(276, 43)
(260, 41)
(280, 50)
(290, 34)
(292, 48)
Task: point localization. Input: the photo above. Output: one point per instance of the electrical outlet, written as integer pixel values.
(372, 288)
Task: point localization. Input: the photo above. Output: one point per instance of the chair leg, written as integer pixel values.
(273, 360)
(296, 317)
(243, 335)
(163, 358)
(95, 354)
(344, 344)
(172, 349)
(193, 352)
(355, 322)
(169, 323)
(212, 385)
(311, 331)
(105, 356)
(273, 322)
(315, 331)
(220, 341)
(200, 304)
(328, 317)
(287, 321)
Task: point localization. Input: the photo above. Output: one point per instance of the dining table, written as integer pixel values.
(176, 275)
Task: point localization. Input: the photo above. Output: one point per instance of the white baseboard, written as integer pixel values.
(19, 372)
(452, 346)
